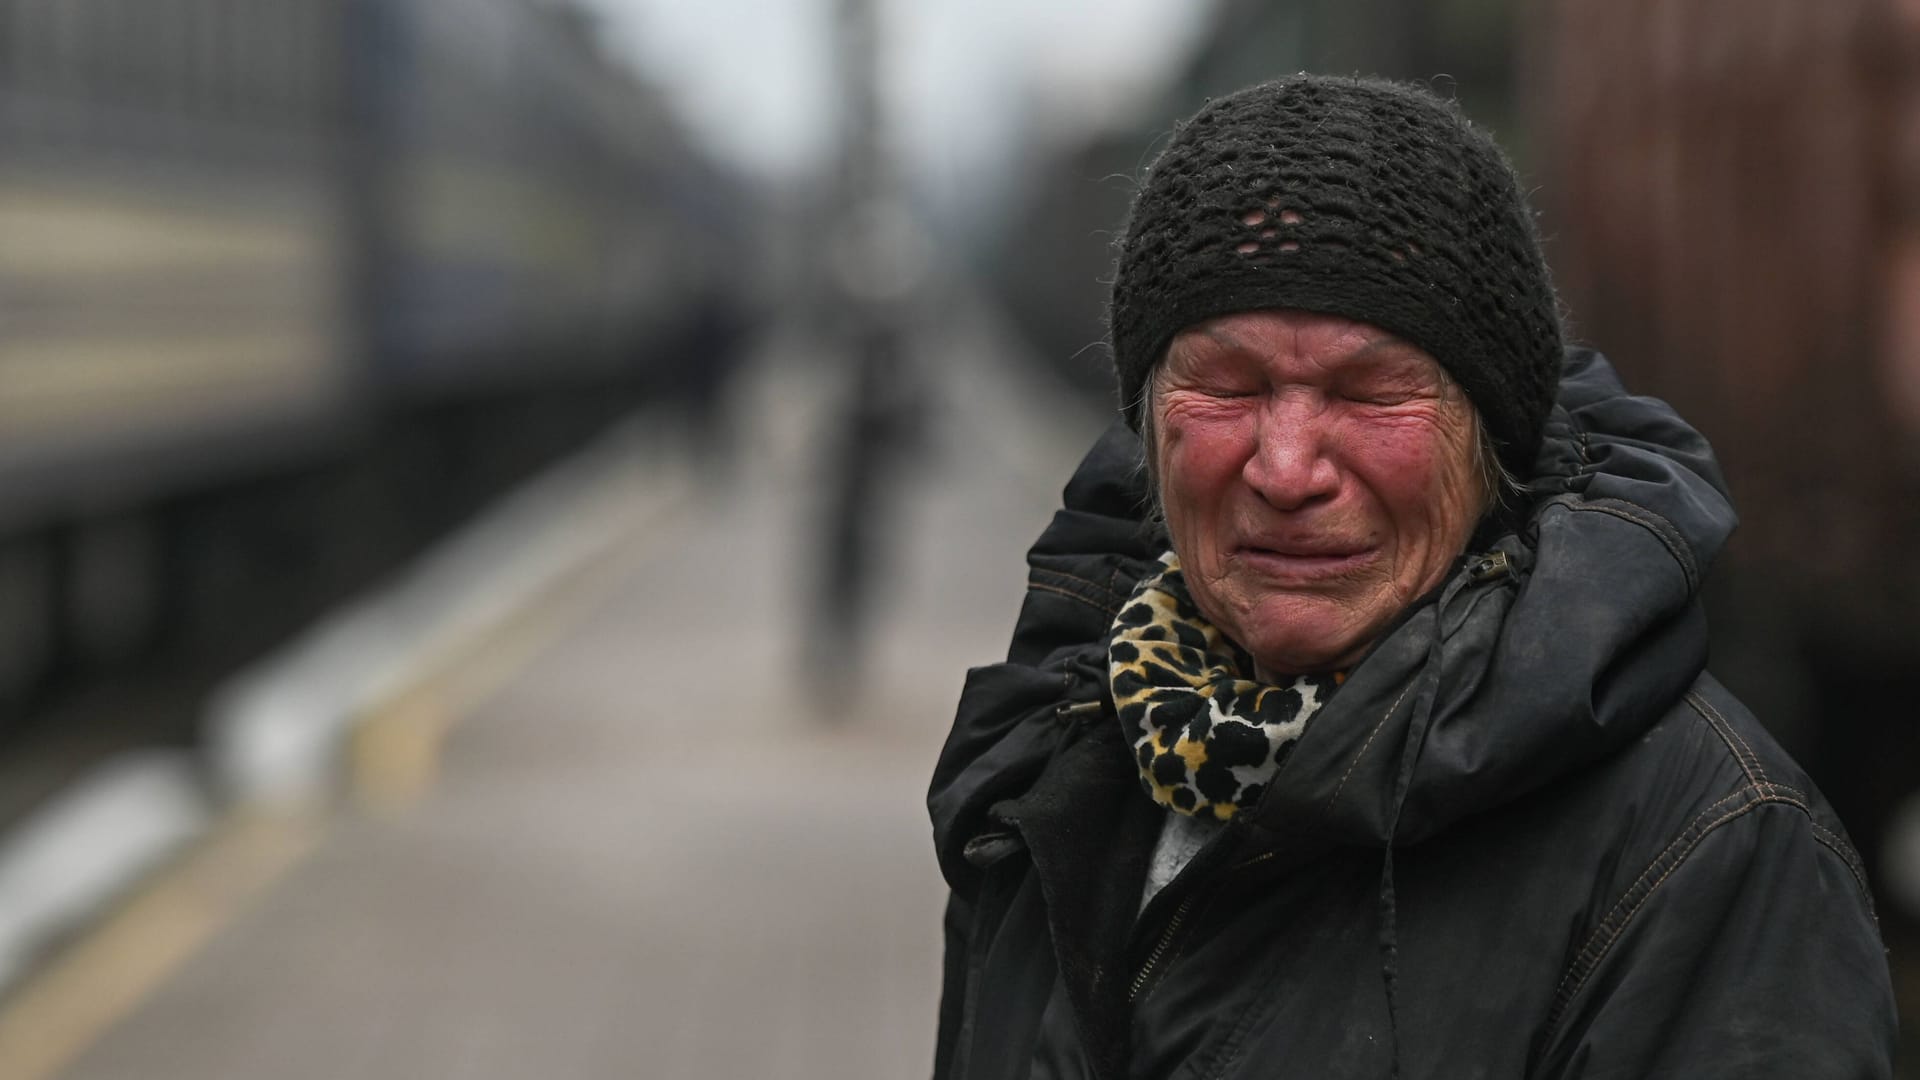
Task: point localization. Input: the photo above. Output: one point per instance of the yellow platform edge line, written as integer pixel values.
(395, 748)
(56, 1015)
(392, 760)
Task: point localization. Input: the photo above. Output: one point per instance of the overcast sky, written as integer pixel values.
(966, 75)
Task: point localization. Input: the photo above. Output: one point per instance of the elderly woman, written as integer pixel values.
(1373, 737)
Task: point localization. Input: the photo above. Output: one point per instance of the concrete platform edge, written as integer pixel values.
(279, 734)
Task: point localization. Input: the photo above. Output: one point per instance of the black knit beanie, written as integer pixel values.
(1371, 200)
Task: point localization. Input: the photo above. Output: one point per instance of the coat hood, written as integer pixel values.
(1552, 644)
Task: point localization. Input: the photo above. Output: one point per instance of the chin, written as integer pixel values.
(1302, 641)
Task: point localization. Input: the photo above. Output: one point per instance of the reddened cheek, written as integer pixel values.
(1203, 442)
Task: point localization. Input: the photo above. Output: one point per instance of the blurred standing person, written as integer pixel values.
(876, 262)
(715, 338)
(1357, 721)
(711, 297)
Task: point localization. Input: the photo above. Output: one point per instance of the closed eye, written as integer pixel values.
(1382, 390)
(1379, 397)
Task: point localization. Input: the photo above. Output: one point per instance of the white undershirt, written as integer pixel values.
(1181, 837)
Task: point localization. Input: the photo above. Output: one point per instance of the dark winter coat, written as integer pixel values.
(1529, 836)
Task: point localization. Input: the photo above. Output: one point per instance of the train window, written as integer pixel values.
(283, 52)
(195, 76)
(264, 88)
(220, 30)
(267, 67)
(110, 57)
(208, 28)
(33, 56)
(314, 28)
(262, 62)
(246, 60)
(309, 42)
(11, 54)
(262, 59)
(38, 52)
(79, 30)
(239, 58)
(295, 44)
(145, 37)
(54, 28)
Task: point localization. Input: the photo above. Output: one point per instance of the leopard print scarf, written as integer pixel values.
(1207, 736)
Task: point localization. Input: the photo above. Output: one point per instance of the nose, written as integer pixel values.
(1291, 466)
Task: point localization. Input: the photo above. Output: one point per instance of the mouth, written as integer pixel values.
(1302, 561)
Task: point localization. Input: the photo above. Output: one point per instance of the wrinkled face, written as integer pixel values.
(1318, 475)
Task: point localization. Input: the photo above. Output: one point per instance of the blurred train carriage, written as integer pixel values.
(287, 286)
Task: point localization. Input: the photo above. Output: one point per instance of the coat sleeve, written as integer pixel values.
(1010, 718)
(1752, 952)
(953, 981)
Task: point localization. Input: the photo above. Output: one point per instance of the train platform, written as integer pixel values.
(562, 802)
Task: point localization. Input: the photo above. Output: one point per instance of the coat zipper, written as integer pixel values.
(1160, 947)
(1173, 927)
(1494, 566)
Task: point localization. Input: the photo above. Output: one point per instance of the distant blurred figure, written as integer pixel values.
(872, 439)
(876, 260)
(715, 331)
(715, 335)
(1735, 206)
(878, 426)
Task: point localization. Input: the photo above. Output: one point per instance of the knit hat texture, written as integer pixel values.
(1371, 200)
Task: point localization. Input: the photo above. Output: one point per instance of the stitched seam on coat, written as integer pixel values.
(1655, 524)
(1621, 916)
(1355, 763)
(1067, 577)
(1759, 791)
(1086, 587)
(1036, 586)
(1742, 752)
(1849, 858)
(1749, 761)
